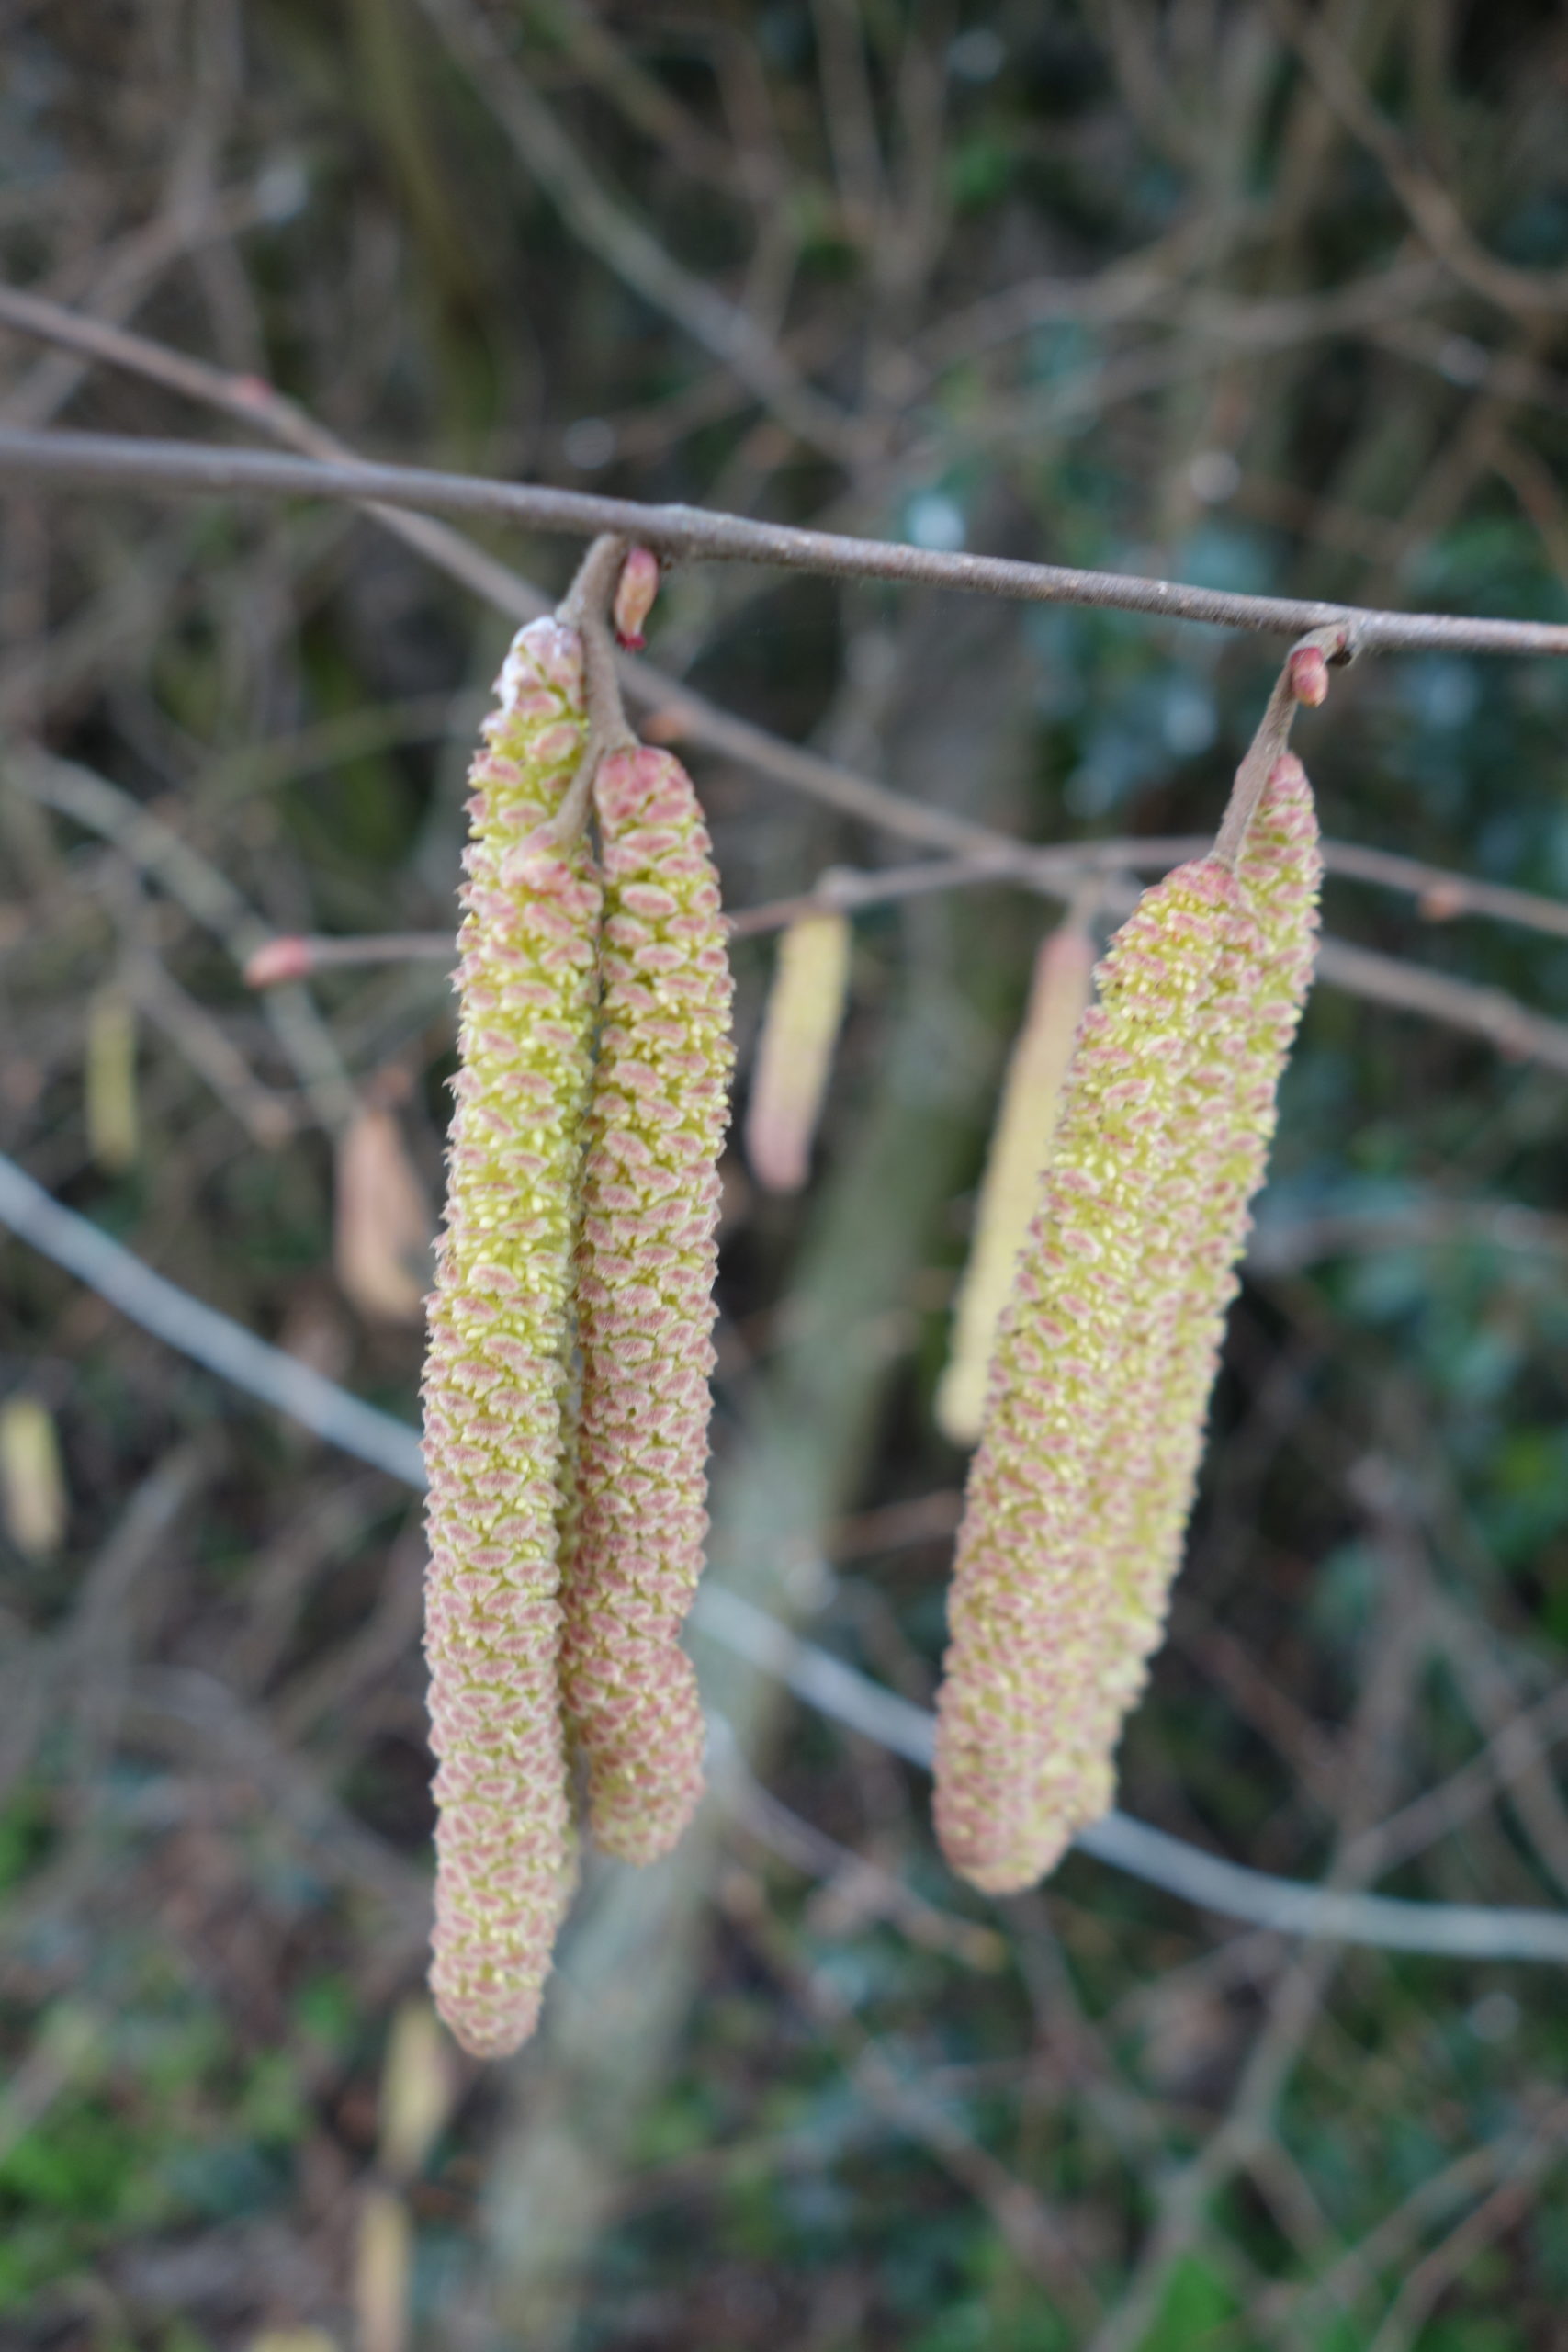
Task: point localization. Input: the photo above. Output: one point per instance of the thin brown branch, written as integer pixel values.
(1506, 2205)
(1431, 209)
(108, 462)
(614, 232)
(1516, 1031)
(1501, 1019)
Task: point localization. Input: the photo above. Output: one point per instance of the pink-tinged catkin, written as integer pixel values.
(1021, 1757)
(794, 1049)
(1224, 1138)
(1020, 1143)
(645, 1308)
(498, 1356)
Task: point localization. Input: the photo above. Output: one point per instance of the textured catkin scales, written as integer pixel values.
(1026, 1121)
(1067, 1599)
(1022, 1760)
(498, 1361)
(1224, 1139)
(794, 1051)
(645, 1312)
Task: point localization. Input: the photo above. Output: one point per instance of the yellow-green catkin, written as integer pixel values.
(34, 1505)
(1066, 1561)
(794, 1048)
(1224, 1141)
(645, 1308)
(498, 1366)
(114, 1124)
(1020, 1144)
(1021, 1762)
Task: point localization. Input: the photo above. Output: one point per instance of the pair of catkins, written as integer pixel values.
(565, 1387)
(567, 1381)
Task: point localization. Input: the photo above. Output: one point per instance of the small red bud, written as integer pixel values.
(1309, 675)
(634, 597)
(285, 958)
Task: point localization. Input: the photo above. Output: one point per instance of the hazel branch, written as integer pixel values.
(110, 461)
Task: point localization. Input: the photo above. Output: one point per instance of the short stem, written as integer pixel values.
(585, 607)
(1337, 645)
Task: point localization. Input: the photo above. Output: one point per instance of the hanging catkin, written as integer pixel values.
(1020, 1759)
(1067, 1552)
(1020, 1143)
(794, 1049)
(498, 1360)
(645, 1308)
(1224, 1150)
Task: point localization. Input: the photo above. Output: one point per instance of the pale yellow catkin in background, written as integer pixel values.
(1021, 1142)
(32, 1483)
(113, 1125)
(383, 2267)
(382, 1224)
(418, 2090)
(794, 1052)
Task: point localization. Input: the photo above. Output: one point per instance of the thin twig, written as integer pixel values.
(686, 715)
(110, 461)
(1432, 210)
(1437, 2270)
(614, 232)
(1501, 1019)
(1513, 1028)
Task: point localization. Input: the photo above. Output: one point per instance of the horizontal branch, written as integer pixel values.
(1516, 1030)
(1457, 1930)
(108, 462)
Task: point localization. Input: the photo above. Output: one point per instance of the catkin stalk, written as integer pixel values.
(794, 1049)
(1020, 1144)
(498, 1363)
(1021, 1761)
(645, 1308)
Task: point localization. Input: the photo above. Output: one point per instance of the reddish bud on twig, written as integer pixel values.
(285, 958)
(1308, 670)
(635, 594)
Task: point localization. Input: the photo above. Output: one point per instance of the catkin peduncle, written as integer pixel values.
(498, 1361)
